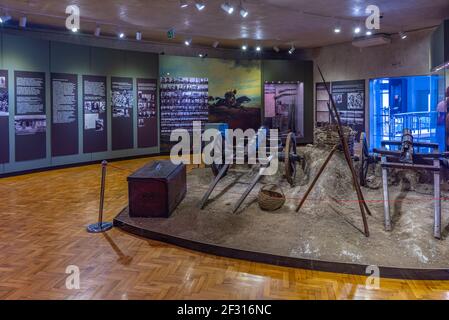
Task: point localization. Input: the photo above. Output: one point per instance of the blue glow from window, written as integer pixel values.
(405, 102)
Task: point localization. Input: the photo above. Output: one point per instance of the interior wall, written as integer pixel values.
(409, 57)
(29, 54)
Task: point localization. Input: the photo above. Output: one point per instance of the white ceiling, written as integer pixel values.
(306, 24)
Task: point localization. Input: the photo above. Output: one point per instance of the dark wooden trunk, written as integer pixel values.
(156, 189)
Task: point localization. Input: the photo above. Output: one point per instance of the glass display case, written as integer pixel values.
(408, 102)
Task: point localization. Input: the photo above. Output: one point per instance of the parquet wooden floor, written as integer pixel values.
(42, 231)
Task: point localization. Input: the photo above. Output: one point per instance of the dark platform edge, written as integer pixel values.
(301, 263)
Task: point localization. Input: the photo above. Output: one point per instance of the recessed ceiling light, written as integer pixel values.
(121, 35)
(337, 29)
(227, 7)
(200, 5)
(183, 3)
(187, 42)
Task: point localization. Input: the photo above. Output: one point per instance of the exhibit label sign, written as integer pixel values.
(349, 98)
(95, 116)
(147, 131)
(4, 117)
(64, 102)
(30, 118)
(122, 102)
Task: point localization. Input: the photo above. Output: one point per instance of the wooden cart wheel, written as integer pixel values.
(290, 163)
(364, 160)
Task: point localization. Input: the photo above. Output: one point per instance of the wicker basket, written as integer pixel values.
(271, 200)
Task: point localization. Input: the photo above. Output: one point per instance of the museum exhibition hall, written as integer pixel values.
(224, 150)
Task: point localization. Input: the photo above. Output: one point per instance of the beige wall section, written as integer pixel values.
(400, 58)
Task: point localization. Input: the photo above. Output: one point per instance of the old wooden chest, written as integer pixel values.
(156, 189)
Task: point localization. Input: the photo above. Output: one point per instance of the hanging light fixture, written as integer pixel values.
(292, 50)
(227, 7)
(200, 5)
(243, 12)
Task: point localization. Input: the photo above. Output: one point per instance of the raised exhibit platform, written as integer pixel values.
(325, 235)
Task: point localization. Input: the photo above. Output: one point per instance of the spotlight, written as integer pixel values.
(243, 12)
(138, 35)
(4, 19)
(215, 44)
(403, 35)
(244, 47)
(183, 3)
(188, 42)
(121, 35)
(357, 30)
(23, 22)
(276, 49)
(200, 5)
(292, 50)
(369, 33)
(97, 31)
(227, 7)
(258, 49)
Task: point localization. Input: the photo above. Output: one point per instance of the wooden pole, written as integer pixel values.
(362, 204)
(316, 177)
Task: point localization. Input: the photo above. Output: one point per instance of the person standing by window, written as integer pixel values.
(443, 116)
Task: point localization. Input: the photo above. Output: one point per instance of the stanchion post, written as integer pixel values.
(101, 226)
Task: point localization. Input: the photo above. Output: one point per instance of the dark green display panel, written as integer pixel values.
(292, 71)
(72, 62)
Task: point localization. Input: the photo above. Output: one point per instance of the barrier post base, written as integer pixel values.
(98, 228)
